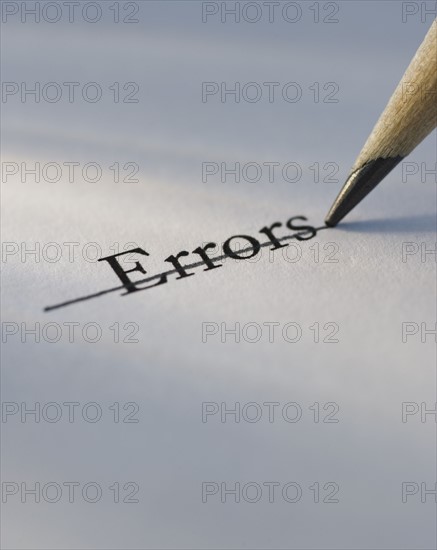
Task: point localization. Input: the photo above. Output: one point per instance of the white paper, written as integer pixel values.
(373, 285)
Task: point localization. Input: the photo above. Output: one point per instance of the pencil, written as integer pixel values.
(410, 115)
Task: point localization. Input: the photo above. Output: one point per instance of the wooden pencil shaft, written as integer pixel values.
(411, 113)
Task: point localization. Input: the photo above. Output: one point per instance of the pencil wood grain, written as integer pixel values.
(410, 115)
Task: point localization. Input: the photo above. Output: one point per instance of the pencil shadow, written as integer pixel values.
(420, 223)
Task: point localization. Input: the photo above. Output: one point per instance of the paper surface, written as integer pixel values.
(333, 361)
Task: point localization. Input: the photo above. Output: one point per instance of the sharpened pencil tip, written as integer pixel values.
(330, 222)
(359, 184)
